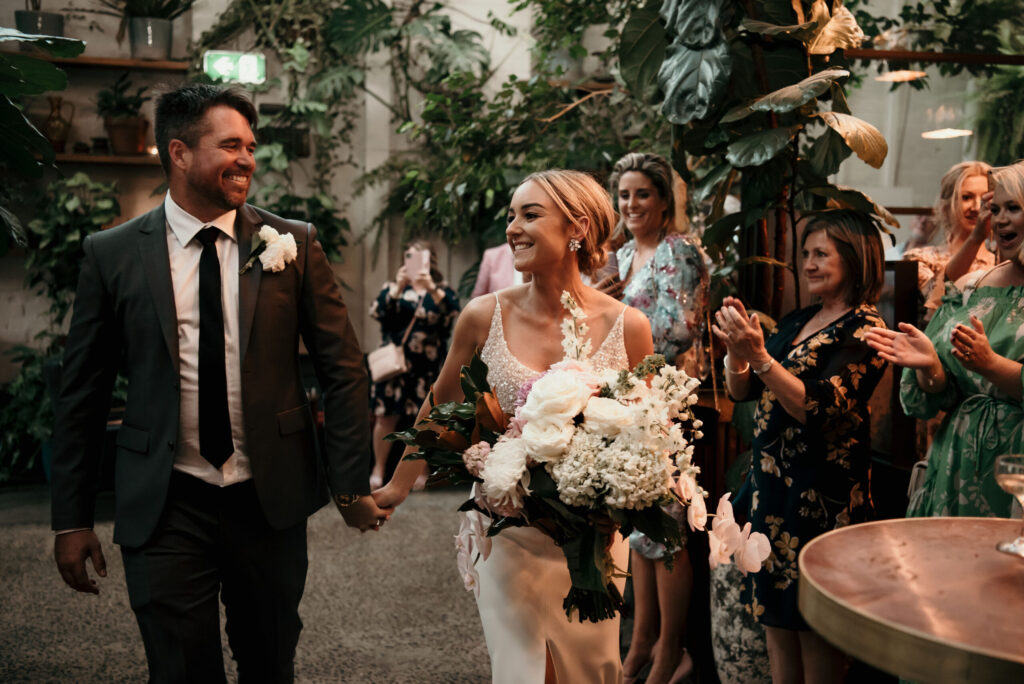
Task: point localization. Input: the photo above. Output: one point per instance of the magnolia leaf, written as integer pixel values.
(841, 31)
(789, 98)
(827, 153)
(22, 75)
(693, 23)
(855, 199)
(693, 80)
(862, 137)
(642, 50)
(801, 32)
(839, 103)
(761, 147)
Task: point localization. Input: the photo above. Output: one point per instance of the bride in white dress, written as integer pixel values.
(557, 223)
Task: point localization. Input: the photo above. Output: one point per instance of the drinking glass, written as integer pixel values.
(1010, 476)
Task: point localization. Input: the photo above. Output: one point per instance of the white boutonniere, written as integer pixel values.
(274, 250)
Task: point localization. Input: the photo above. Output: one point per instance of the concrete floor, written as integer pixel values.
(387, 607)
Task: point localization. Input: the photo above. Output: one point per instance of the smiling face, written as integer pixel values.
(537, 230)
(641, 206)
(217, 171)
(969, 201)
(823, 267)
(1007, 223)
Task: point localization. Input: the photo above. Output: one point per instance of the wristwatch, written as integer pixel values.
(759, 370)
(345, 500)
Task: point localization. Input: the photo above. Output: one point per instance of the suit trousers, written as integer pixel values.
(215, 540)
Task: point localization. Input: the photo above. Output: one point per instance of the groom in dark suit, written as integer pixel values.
(217, 465)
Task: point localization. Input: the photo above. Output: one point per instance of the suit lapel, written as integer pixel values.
(157, 267)
(246, 222)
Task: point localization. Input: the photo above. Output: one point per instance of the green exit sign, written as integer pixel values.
(235, 67)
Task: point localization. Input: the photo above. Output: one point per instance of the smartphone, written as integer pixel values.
(417, 261)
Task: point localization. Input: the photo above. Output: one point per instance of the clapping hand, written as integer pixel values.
(908, 347)
(971, 347)
(740, 333)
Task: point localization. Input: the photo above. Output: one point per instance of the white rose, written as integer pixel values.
(606, 416)
(546, 441)
(503, 470)
(280, 249)
(557, 397)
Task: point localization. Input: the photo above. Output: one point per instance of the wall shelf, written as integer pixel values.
(114, 62)
(122, 159)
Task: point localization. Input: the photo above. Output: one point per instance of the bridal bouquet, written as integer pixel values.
(587, 451)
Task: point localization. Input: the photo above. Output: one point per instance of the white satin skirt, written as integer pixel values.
(522, 585)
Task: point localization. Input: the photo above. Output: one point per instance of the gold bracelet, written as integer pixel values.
(725, 363)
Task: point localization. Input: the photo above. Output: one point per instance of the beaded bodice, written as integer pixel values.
(506, 374)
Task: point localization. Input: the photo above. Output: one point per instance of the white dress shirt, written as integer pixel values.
(184, 253)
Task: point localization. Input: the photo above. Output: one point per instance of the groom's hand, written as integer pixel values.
(365, 514)
(70, 550)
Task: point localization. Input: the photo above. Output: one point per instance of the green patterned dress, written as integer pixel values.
(981, 422)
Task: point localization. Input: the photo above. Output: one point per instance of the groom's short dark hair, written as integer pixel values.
(179, 112)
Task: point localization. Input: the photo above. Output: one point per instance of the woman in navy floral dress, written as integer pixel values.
(811, 453)
(427, 298)
(662, 274)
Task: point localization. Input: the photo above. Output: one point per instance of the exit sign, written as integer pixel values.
(235, 67)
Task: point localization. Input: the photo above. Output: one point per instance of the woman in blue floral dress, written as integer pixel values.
(662, 274)
(810, 471)
(426, 298)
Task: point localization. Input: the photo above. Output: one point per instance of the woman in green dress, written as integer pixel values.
(967, 363)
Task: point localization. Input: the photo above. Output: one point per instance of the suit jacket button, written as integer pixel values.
(170, 445)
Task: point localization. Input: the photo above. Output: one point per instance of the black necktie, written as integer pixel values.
(215, 443)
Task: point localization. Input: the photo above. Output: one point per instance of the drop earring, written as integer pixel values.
(574, 244)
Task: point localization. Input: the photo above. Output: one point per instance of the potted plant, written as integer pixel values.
(33, 20)
(119, 110)
(148, 23)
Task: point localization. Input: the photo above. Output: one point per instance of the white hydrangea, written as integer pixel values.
(576, 474)
(503, 473)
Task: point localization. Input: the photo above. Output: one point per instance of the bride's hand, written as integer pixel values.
(390, 495)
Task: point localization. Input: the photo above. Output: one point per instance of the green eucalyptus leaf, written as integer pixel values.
(642, 50)
(791, 97)
(759, 148)
(57, 46)
(693, 80)
(863, 138)
(693, 23)
(855, 199)
(827, 153)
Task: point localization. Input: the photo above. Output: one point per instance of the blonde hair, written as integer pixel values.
(669, 185)
(576, 195)
(948, 210)
(1011, 180)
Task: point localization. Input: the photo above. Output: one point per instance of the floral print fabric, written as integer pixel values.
(425, 349)
(982, 422)
(672, 291)
(810, 478)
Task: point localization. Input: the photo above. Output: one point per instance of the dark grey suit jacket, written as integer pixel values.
(124, 317)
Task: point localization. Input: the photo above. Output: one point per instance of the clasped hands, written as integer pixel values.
(741, 334)
(365, 515)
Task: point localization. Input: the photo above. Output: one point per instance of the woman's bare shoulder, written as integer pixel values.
(475, 317)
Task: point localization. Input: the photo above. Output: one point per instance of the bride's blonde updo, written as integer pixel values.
(577, 194)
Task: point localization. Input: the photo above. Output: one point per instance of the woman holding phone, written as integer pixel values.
(661, 273)
(419, 308)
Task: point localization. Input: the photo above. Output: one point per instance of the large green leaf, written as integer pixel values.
(855, 199)
(863, 138)
(641, 51)
(23, 149)
(23, 75)
(828, 151)
(703, 188)
(693, 80)
(56, 45)
(360, 26)
(761, 147)
(693, 23)
(789, 98)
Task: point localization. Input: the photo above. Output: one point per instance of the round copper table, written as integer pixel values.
(928, 599)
